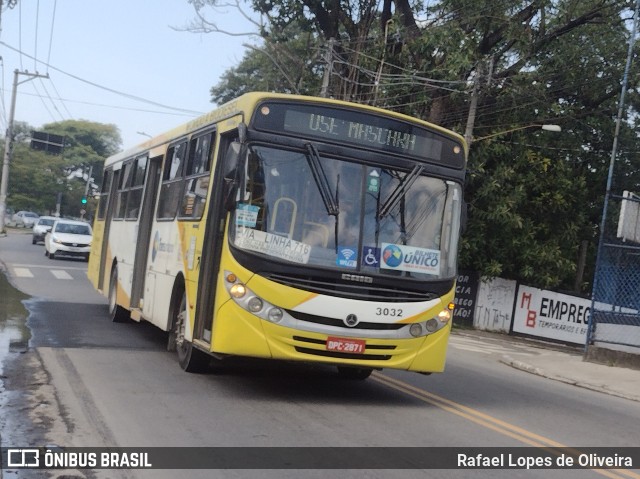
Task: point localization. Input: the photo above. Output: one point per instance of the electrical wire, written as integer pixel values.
(105, 88)
(53, 20)
(64, 105)
(117, 107)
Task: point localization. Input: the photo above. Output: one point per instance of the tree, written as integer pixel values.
(533, 198)
(38, 177)
(286, 64)
(87, 144)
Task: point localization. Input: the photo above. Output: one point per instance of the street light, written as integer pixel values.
(546, 127)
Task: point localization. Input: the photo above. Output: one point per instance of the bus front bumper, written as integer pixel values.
(249, 335)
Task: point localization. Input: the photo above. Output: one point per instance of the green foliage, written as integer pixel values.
(287, 65)
(36, 178)
(527, 211)
(534, 196)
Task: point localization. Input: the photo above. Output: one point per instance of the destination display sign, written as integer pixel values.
(360, 129)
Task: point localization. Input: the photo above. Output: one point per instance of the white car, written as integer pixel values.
(41, 227)
(70, 238)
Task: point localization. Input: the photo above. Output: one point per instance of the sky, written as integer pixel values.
(93, 48)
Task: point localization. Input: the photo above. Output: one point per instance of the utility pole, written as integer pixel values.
(8, 142)
(473, 108)
(328, 69)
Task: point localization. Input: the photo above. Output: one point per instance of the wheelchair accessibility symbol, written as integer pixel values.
(371, 256)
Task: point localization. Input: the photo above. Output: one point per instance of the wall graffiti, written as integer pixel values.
(494, 305)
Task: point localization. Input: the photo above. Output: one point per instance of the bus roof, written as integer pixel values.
(249, 100)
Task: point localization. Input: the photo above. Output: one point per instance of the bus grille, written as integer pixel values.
(340, 355)
(312, 318)
(366, 292)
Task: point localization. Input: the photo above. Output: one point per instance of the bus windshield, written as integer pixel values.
(347, 216)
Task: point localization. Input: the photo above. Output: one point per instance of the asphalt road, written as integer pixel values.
(84, 381)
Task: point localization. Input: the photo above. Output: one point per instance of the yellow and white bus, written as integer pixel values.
(287, 227)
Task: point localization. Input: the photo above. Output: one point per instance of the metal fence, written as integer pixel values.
(615, 315)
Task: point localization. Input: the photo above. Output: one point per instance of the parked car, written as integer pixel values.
(41, 227)
(68, 237)
(25, 219)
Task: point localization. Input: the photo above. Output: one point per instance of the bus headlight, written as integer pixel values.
(275, 315)
(254, 304)
(249, 301)
(444, 315)
(434, 324)
(416, 330)
(238, 290)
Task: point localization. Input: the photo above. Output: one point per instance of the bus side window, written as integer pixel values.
(123, 190)
(137, 185)
(194, 195)
(105, 191)
(172, 178)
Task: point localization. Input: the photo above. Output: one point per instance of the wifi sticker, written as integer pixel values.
(347, 257)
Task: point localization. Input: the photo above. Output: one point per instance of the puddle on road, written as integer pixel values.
(14, 333)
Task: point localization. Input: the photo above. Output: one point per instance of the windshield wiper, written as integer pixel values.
(397, 194)
(320, 177)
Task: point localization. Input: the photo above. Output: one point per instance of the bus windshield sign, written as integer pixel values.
(360, 129)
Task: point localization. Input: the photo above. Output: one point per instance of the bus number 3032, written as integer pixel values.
(395, 312)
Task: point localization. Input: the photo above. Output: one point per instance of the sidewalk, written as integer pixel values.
(567, 364)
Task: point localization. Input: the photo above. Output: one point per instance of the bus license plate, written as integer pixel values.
(345, 345)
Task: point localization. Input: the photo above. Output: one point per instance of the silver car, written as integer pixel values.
(25, 219)
(41, 227)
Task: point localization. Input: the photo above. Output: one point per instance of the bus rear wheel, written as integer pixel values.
(116, 312)
(191, 359)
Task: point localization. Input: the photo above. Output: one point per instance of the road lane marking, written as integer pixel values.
(48, 266)
(490, 422)
(61, 274)
(22, 272)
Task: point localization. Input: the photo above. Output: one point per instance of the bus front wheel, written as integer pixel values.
(191, 359)
(358, 374)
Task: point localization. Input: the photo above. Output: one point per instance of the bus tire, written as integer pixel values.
(190, 358)
(358, 374)
(116, 312)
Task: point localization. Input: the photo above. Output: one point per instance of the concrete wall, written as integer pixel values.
(494, 305)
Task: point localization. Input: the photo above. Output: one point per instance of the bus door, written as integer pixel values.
(212, 248)
(105, 210)
(144, 230)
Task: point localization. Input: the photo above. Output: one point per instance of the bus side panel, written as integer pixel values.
(191, 238)
(164, 263)
(158, 304)
(93, 268)
(122, 239)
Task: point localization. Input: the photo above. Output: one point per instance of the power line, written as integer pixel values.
(53, 20)
(117, 107)
(102, 87)
(60, 99)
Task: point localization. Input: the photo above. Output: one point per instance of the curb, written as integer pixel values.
(522, 366)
